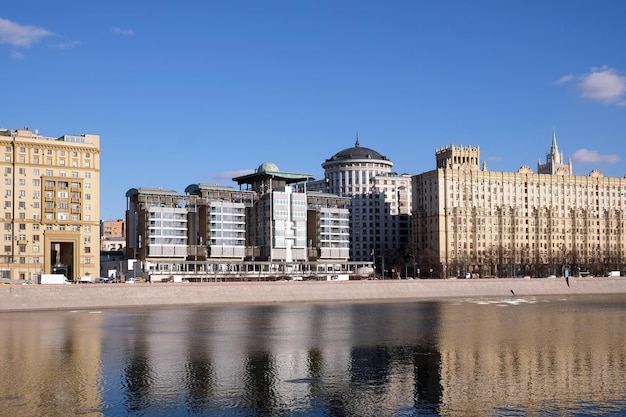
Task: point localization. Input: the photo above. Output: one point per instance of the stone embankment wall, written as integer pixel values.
(53, 297)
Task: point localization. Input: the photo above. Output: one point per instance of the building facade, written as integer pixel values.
(469, 219)
(380, 210)
(51, 219)
(272, 219)
(112, 235)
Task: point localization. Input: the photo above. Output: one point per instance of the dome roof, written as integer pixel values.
(357, 152)
(267, 167)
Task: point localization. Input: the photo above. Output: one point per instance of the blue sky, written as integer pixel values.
(185, 92)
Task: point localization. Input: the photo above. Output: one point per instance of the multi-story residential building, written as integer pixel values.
(466, 218)
(291, 224)
(51, 205)
(380, 207)
(112, 235)
(215, 228)
(113, 228)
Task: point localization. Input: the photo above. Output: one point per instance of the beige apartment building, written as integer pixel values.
(51, 220)
(469, 219)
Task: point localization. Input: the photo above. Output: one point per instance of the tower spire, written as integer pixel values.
(356, 144)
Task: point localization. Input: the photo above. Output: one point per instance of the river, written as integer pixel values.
(541, 356)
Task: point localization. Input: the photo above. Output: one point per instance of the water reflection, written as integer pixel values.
(470, 357)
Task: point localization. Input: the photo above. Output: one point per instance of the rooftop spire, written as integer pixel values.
(356, 144)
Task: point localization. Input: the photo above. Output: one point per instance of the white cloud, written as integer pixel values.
(586, 156)
(605, 85)
(18, 35)
(17, 55)
(67, 45)
(566, 79)
(120, 31)
(231, 174)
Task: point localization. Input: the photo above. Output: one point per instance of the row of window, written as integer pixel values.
(35, 260)
(37, 173)
(62, 152)
(34, 248)
(22, 226)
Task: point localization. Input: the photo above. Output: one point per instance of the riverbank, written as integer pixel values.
(55, 297)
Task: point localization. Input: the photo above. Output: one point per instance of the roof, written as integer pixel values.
(357, 152)
(270, 170)
(152, 191)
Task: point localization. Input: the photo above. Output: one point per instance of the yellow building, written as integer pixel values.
(51, 219)
(467, 219)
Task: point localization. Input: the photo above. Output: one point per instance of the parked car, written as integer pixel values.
(131, 280)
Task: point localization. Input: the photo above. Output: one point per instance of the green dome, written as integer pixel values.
(267, 167)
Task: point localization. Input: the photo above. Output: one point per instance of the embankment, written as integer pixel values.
(54, 297)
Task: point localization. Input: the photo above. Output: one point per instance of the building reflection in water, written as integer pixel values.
(470, 357)
(50, 363)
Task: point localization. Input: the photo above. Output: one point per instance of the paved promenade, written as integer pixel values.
(88, 296)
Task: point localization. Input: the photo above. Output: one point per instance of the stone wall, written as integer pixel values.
(89, 296)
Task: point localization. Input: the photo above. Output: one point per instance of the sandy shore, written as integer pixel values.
(54, 297)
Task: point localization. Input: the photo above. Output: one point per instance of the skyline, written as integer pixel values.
(292, 83)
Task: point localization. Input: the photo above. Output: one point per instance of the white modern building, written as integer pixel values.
(380, 209)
